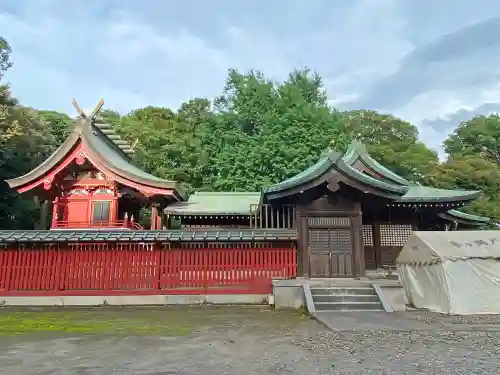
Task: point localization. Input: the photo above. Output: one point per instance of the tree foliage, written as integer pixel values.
(480, 135)
(59, 124)
(474, 162)
(5, 62)
(257, 132)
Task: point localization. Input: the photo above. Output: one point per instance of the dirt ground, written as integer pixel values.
(228, 340)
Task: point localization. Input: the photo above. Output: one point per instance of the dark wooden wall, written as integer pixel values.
(330, 237)
(383, 242)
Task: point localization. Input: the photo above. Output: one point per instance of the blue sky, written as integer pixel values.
(431, 62)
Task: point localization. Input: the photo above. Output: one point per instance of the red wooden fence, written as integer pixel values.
(102, 269)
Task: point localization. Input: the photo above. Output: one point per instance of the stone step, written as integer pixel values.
(366, 291)
(348, 306)
(345, 298)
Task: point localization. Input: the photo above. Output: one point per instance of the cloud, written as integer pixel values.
(457, 73)
(146, 55)
(388, 55)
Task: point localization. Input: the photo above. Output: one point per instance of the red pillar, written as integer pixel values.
(55, 204)
(154, 215)
(158, 222)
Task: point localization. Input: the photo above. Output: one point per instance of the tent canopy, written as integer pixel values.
(432, 247)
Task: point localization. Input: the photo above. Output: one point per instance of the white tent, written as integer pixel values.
(454, 272)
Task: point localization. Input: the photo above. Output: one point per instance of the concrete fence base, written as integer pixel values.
(152, 300)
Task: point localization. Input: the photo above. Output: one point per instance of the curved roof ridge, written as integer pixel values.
(397, 190)
(358, 149)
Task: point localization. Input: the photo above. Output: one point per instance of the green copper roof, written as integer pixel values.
(393, 190)
(52, 236)
(314, 171)
(357, 150)
(216, 203)
(418, 193)
(465, 217)
(390, 185)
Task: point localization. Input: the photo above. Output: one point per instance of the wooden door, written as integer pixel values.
(330, 247)
(76, 213)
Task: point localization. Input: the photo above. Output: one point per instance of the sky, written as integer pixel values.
(433, 63)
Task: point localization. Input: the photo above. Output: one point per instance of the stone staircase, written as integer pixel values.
(345, 298)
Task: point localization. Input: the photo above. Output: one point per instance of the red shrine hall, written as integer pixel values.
(90, 182)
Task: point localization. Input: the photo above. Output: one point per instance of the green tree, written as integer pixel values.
(471, 172)
(5, 52)
(26, 143)
(168, 143)
(474, 162)
(59, 124)
(266, 131)
(480, 135)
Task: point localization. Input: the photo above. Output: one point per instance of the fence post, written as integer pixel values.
(158, 249)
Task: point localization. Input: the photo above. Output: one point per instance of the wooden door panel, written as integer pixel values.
(77, 212)
(340, 265)
(330, 252)
(340, 252)
(320, 265)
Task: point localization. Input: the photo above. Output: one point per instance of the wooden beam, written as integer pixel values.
(97, 108)
(78, 109)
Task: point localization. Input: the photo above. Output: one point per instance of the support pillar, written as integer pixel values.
(359, 250)
(154, 215)
(158, 222)
(44, 210)
(377, 244)
(55, 204)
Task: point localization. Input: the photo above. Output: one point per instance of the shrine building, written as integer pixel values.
(340, 217)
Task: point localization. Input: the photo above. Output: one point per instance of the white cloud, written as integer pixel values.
(442, 106)
(95, 49)
(158, 53)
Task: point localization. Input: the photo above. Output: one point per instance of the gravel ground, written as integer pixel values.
(257, 341)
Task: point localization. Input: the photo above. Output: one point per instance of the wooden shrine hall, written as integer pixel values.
(90, 181)
(350, 212)
(343, 215)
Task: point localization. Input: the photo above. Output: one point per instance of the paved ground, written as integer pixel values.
(217, 341)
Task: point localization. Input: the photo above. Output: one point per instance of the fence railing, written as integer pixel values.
(126, 224)
(113, 269)
(269, 216)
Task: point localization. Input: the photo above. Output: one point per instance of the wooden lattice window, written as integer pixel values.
(367, 235)
(319, 241)
(340, 241)
(329, 221)
(394, 235)
(326, 241)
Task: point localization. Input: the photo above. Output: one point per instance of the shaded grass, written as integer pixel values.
(161, 321)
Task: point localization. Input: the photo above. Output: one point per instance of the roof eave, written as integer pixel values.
(204, 213)
(150, 236)
(465, 218)
(466, 197)
(50, 163)
(317, 170)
